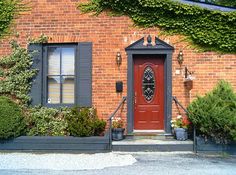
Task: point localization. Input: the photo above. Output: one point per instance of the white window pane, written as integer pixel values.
(53, 61)
(68, 61)
(68, 89)
(53, 90)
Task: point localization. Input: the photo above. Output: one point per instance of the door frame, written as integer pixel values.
(160, 48)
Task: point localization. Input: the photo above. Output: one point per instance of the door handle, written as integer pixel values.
(135, 98)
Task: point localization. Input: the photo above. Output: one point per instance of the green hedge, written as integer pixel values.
(83, 122)
(42, 121)
(214, 114)
(78, 122)
(12, 123)
(211, 30)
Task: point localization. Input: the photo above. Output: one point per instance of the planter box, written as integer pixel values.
(56, 144)
(212, 147)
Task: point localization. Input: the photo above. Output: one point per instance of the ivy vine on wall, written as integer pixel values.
(8, 11)
(209, 29)
(16, 73)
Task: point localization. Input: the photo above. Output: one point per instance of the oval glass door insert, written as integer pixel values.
(148, 84)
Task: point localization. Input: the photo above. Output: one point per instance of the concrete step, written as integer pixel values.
(152, 136)
(158, 145)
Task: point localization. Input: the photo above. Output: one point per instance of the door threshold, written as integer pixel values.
(148, 131)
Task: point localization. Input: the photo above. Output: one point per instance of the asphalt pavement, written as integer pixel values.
(144, 163)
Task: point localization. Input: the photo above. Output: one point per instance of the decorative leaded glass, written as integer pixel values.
(148, 85)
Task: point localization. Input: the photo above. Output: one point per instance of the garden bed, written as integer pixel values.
(210, 146)
(56, 144)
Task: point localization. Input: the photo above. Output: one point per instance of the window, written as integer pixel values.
(60, 78)
(64, 74)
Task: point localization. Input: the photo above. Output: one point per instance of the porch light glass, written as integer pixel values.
(180, 57)
(118, 59)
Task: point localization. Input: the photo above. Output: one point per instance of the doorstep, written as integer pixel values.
(158, 143)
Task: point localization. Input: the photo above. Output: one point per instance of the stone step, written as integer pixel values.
(170, 145)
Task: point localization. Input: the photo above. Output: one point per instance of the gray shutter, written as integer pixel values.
(36, 89)
(84, 74)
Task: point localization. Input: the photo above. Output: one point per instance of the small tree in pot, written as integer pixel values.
(118, 129)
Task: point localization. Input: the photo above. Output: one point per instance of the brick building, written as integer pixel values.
(79, 64)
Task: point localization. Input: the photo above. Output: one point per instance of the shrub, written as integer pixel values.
(44, 121)
(214, 115)
(84, 122)
(99, 127)
(12, 123)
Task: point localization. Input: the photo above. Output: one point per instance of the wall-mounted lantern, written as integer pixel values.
(118, 59)
(180, 57)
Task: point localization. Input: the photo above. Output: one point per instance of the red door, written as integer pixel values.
(148, 92)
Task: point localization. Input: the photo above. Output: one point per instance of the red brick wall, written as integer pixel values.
(62, 22)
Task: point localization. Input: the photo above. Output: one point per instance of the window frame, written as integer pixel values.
(45, 75)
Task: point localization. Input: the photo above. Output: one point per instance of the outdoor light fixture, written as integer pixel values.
(118, 59)
(180, 57)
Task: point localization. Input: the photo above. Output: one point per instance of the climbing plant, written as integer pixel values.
(209, 29)
(8, 11)
(16, 73)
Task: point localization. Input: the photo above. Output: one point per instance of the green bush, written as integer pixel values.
(12, 123)
(99, 127)
(44, 121)
(214, 115)
(84, 122)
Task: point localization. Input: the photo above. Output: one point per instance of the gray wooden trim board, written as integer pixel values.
(36, 50)
(210, 146)
(160, 48)
(56, 143)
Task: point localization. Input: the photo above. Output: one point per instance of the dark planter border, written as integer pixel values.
(56, 144)
(211, 147)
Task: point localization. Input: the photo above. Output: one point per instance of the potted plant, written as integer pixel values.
(180, 126)
(118, 129)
